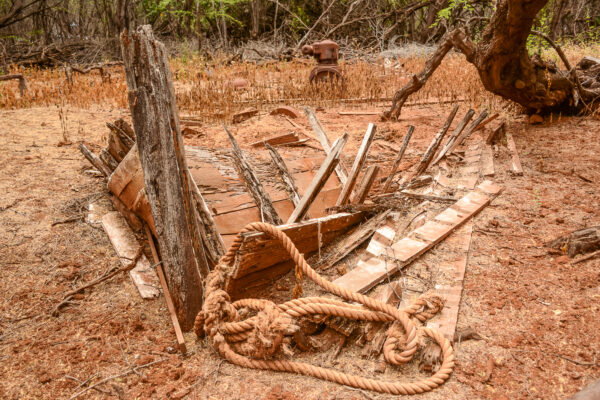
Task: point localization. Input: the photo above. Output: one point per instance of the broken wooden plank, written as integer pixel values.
(319, 180)
(166, 293)
(276, 140)
(286, 177)
(212, 238)
(126, 247)
(467, 132)
(512, 147)
(375, 331)
(494, 133)
(368, 273)
(487, 121)
(365, 184)
(487, 160)
(396, 164)
(359, 161)
(94, 160)
(122, 135)
(263, 257)
(109, 160)
(435, 143)
(252, 183)
(357, 237)
(324, 140)
(158, 137)
(457, 131)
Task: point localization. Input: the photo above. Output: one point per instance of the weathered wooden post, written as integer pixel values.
(156, 124)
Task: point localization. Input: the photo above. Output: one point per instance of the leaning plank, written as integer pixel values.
(286, 177)
(325, 143)
(396, 164)
(435, 143)
(211, 238)
(454, 135)
(166, 293)
(494, 133)
(359, 161)
(319, 180)
(516, 161)
(487, 121)
(358, 236)
(158, 136)
(365, 184)
(461, 138)
(94, 160)
(372, 271)
(252, 183)
(126, 246)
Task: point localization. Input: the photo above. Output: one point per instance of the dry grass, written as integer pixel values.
(206, 90)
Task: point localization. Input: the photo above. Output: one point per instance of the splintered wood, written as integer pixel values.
(372, 271)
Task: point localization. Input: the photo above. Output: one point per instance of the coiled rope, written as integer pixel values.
(253, 342)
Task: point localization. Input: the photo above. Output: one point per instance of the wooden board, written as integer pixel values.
(516, 161)
(260, 251)
(372, 271)
(126, 246)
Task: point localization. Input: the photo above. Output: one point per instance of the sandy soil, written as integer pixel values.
(537, 313)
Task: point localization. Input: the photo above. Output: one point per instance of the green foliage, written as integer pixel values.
(446, 13)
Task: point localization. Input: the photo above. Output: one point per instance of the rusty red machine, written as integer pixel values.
(327, 53)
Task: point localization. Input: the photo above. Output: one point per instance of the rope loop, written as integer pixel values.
(255, 341)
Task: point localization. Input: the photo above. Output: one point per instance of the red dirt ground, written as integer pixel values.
(537, 313)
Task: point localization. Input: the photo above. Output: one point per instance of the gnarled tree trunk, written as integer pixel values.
(505, 67)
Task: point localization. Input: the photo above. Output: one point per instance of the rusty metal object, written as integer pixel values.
(327, 53)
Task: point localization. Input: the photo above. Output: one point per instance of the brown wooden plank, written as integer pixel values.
(457, 131)
(281, 139)
(359, 161)
(325, 142)
(396, 164)
(166, 293)
(319, 180)
(366, 183)
(372, 271)
(435, 143)
(512, 147)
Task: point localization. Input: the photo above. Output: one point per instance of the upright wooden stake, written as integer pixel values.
(158, 136)
(396, 164)
(467, 132)
(325, 143)
(437, 140)
(255, 188)
(288, 180)
(359, 161)
(454, 135)
(319, 180)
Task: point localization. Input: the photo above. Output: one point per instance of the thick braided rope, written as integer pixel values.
(219, 319)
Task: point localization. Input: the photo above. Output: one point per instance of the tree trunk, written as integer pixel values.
(506, 69)
(157, 130)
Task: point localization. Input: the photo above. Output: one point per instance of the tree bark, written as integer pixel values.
(505, 67)
(158, 136)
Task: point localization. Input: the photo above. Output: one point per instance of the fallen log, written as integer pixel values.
(581, 241)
